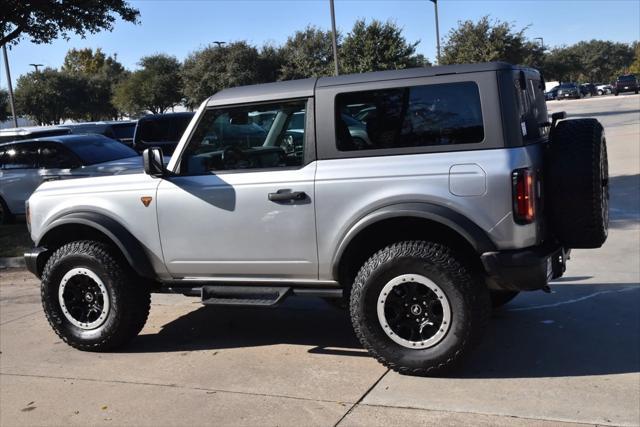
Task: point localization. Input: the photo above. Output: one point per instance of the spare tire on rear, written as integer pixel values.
(577, 184)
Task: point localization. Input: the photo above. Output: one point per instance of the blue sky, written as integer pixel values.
(180, 27)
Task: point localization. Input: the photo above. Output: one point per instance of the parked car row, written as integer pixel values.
(571, 90)
(30, 156)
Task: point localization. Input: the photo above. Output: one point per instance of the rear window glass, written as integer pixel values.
(100, 149)
(124, 131)
(627, 78)
(162, 129)
(416, 116)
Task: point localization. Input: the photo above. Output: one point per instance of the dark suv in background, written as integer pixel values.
(161, 130)
(569, 90)
(626, 83)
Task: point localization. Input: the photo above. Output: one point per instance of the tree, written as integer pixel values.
(602, 60)
(84, 61)
(307, 53)
(101, 74)
(634, 68)
(44, 21)
(562, 64)
(214, 68)
(592, 61)
(377, 46)
(156, 87)
(5, 112)
(49, 96)
(486, 41)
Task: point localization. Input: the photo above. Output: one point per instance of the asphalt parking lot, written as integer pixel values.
(572, 356)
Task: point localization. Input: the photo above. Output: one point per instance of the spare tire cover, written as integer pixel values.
(577, 184)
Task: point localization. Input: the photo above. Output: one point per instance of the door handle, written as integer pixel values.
(287, 195)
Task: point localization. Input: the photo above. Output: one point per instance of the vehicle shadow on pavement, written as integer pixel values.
(580, 330)
(624, 208)
(300, 321)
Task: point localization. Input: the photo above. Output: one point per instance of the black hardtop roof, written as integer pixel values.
(304, 88)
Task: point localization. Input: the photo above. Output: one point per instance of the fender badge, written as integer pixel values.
(146, 200)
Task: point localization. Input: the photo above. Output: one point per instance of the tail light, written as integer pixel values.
(523, 196)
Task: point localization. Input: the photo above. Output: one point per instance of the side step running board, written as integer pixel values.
(260, 296)
(256, 296)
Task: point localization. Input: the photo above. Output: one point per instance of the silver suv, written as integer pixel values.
(462, 194)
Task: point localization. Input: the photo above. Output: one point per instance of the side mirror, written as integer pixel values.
(153, 163)
(557, 116)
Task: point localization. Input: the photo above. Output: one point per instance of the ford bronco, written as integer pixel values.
(420, 198)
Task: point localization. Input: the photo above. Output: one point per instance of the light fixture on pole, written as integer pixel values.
(541, 42)
(334, 39)
(36, 66)
(219, 43)
(435, 5)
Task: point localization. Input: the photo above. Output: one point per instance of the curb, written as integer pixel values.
(13, 262)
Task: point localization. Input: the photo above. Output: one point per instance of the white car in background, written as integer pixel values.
(26, 164)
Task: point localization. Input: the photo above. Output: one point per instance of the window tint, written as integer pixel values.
(99, 149)
(19, 156)
(124, 131)
(409, 117)
(532, 108)
(55, 156)
(248, 137)
(162, 129)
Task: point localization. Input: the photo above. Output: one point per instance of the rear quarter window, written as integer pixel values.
(416, 116)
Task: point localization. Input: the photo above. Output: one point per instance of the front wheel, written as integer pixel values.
(90, 298)
(417, 308)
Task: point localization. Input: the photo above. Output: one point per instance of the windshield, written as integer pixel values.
(567, 85)
(627, 78)
(100, 149)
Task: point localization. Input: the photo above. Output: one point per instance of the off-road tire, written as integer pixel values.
(467, 296)
(129, 298)
(577, 179)
(500, 298)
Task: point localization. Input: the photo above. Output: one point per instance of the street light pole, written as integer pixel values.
(10, 86)
(36, 66)
(334, 40)
(435, 5)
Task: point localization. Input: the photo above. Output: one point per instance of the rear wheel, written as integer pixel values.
(417, 308)
(90, 297)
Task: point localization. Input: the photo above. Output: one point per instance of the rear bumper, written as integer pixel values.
(34, 260)
(524, 269)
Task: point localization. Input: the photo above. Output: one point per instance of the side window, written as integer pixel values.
(414, 116)
(532, 109)
(19, 156)
(247, 137)
(55, 156)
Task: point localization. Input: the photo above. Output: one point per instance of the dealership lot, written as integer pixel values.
(571, 356)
